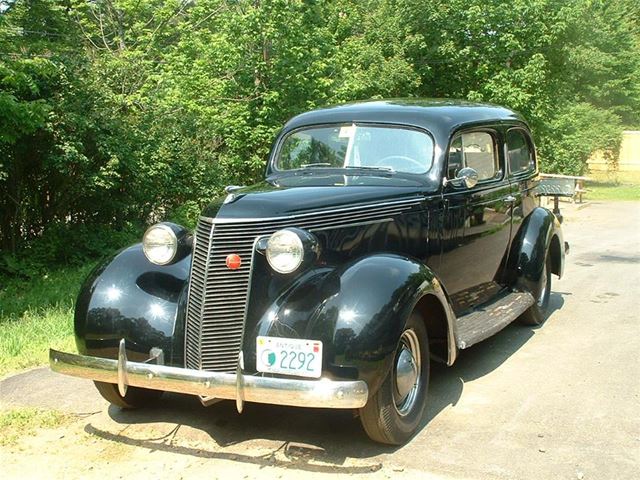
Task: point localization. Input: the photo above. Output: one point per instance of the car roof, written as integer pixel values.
(435, 114)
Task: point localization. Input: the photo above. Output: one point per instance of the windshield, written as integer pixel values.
(356, 146)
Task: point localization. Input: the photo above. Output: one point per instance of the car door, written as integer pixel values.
(520, 156)
(477, 220)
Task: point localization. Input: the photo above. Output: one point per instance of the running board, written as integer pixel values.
(489, 319)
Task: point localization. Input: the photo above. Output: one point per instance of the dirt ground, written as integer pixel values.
(560, 401)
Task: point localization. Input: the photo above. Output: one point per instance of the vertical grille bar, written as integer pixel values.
(225, 301)
(197, 284)
(217, 297)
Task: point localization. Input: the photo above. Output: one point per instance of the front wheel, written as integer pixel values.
(537, 313)
(393, 414)
(134, 398)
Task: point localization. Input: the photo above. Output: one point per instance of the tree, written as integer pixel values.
(116, 113)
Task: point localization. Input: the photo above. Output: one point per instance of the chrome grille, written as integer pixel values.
(218, 296)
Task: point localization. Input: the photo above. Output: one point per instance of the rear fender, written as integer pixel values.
(540, 233)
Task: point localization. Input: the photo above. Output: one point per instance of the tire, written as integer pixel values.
(537, 313)
(135, 397)
(388, 417)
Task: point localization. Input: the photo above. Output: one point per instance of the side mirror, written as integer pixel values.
(467, 177)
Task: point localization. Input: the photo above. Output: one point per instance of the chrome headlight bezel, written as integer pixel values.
(173, 238)
(289, 248)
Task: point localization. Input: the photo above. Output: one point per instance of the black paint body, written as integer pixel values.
(461, 246)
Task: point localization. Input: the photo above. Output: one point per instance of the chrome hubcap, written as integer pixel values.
(407, 372)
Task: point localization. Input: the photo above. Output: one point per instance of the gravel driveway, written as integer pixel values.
(560, 401)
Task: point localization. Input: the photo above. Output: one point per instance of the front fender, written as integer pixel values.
(540, 233)
(358, 311)
(129, 297)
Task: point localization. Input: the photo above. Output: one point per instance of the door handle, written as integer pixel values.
(510, 199)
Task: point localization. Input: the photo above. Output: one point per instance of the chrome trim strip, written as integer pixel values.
(409, 202)
(322, 393)
(348, 225)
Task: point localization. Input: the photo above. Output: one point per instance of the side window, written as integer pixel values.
(475, 150)
(519, 151)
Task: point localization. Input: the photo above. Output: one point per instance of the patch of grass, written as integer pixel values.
(37, 314)
(18, 422)
(613, 191)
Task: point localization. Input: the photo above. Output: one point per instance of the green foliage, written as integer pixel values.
(71, 245)
(117, 113)
(575, 133)
(36, 314)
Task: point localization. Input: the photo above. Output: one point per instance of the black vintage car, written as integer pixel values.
(386, 235)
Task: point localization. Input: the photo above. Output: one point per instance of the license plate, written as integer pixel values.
(289, 356)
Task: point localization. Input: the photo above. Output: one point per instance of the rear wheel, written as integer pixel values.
(393, 414)
(134, 398)
(537, 313)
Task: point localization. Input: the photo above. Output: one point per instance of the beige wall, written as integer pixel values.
(629, 160)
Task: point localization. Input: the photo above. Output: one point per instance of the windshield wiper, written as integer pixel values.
(369, 167)
(317, 164)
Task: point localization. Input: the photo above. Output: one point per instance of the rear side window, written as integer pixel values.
(519, 151)
(475, 150)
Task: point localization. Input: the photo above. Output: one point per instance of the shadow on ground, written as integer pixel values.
(310, 435)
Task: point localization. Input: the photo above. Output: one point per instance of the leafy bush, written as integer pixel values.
(65, 244)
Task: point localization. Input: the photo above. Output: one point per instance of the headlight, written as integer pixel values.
(287, 249)
(160, 244)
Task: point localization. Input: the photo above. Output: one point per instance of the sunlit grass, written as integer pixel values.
(20, 422)
(613, 191)
(35, 315)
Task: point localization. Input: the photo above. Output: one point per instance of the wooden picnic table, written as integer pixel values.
(578, 183)
(556, 186)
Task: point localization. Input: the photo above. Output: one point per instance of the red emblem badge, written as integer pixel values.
(233, 261)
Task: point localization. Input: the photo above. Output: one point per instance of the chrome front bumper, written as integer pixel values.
(320, 393)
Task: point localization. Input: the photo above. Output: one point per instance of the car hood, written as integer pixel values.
(284, 197)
